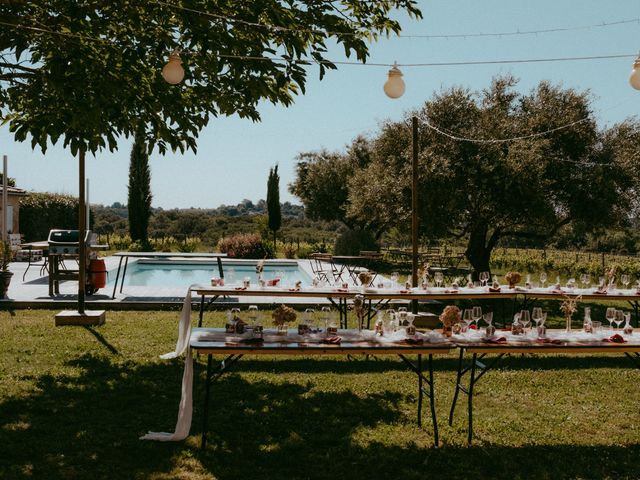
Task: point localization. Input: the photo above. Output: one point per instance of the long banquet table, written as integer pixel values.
(340, 297)
(211, 342)
(503, 343)
(214, 341)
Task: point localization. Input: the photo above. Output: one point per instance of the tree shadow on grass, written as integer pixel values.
(87, 425)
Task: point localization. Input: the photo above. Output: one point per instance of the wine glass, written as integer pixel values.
(525, 318)
(610, 315)
(624, 278)
(325, 316)
(402, 315)
(307, 316)
(619, 318)
(476, 314)
(536, 315)
(438, 277)
(252, 314)
(484, 278)
(543, 278)
(467, 319)
(490, 329)
(394, 279)
(585, 278)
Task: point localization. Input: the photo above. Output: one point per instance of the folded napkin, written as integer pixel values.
(498, 340)
(412, 341)
(253, 341)
(494, 289)
(600, 292)
(335, 340)
(273, 282)
(450, 290)
(342, 289)
(473, 327)
(616, 338)
(554, 341)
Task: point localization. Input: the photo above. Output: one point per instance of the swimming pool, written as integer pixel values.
(181, 273)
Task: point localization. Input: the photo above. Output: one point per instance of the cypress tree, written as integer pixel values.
(139, 202)
(273, 202)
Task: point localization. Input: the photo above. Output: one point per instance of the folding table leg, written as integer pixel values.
(458, 387)
(207, 388)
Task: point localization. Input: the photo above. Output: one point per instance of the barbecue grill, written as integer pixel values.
(65, 242)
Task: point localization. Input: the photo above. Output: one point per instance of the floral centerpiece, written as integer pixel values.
(423, 274)
(513, 278)
(449, 317)
(365, 277)
(568, 308)
(282, 316)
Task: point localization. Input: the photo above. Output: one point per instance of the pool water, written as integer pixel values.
(179, 274)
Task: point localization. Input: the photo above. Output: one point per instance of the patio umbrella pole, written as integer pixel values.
(414, 211)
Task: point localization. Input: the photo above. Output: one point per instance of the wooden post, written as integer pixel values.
(82, 228)
(414, 211)
(5, 200)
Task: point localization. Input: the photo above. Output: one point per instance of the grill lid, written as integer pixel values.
(63, 236)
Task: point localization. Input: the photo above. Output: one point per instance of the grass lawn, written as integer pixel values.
(73, 402)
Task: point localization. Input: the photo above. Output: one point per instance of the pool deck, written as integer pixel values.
(33, 292)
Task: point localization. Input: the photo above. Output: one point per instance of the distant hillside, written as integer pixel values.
(211, 224)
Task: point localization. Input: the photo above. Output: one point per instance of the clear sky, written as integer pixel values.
(234, 155)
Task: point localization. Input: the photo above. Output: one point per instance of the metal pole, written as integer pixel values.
(414, 211)
(88, 208)
(82, 227)
(5, 199)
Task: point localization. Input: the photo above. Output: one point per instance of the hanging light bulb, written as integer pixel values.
(634, 79)
(394, 86)
(173, 72)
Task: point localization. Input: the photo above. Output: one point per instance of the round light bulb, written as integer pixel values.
(634, 79)
(394, 86)
(173, 72)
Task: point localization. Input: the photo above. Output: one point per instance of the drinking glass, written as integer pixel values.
(585, 278)
(325, 316)
(625, 280)
(525, 318)
(394, 279)
(402, 316)
(484, 278)
(543, 278)
(610, 315)
(488, 318)
(438, 277)
(619, 318)
(467, 318)
(252, 313)
(307, 316)
(476, 313)
(536, 315)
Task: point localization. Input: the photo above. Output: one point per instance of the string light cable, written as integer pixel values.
(309, 61)
(400, 35)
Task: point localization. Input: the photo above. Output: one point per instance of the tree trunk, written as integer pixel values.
(478, 252)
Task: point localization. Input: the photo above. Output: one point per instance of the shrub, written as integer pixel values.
(352, 242)
(289, 250)
(189, 245)
(247, 245)
(41, 212)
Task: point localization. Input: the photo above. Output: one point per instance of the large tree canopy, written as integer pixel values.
(88, 71)
(487, 190)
